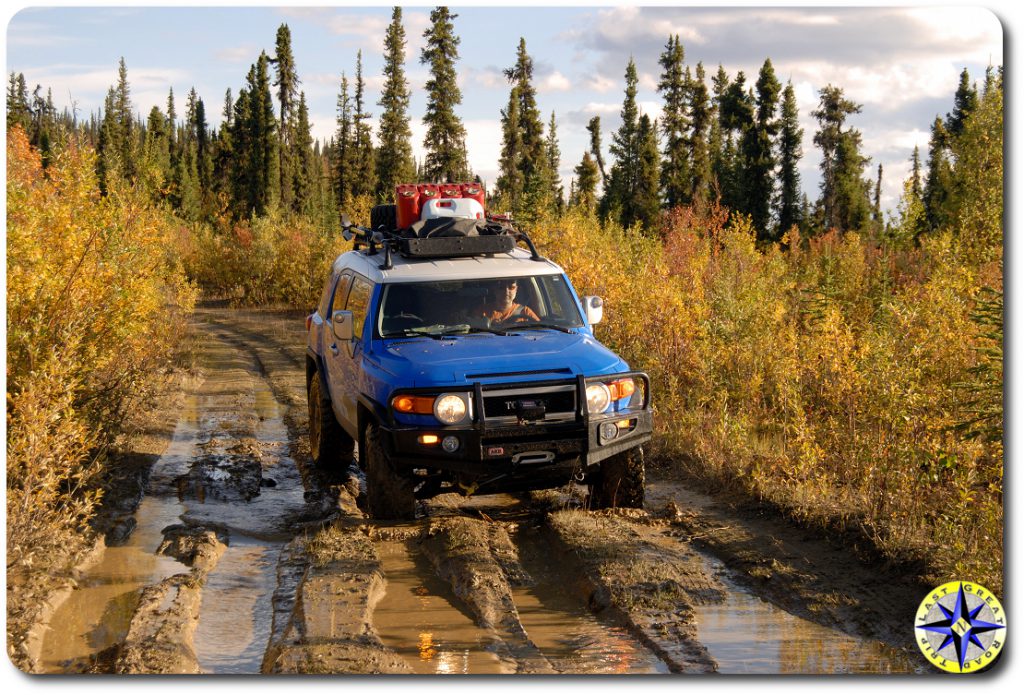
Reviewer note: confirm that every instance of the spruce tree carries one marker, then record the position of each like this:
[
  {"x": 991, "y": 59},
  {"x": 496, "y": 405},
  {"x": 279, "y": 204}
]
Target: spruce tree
[
  {"x": 853, "y": 191},
  {"x": 364, "y": 182},
  {"x": 125, "y": 122},
  {"x": 675, "y": 172},
  {"x": 965, "y": 102},
  {"x": 719, "y": 148},
  {"x": 531, "y": 158},
  {"x": 509, "y": 185},
  {"x": 585, "y": 187},
  {"x": 698, "y": 140},
  {"x": 257, "y": 167},
  {"x": 224, "y": 149},
  {"x": 836, "y": 151},
  {"x": 620, "y": 198},
  {"x": 938, "y": 182},
  {"x": 108, "y": 160},
  {"x": 876, "y": 208},
  {"x": 594, "y": 128},
  {"x": 759, "y": 156},
  {"x": 647, "y": 196},
  {"x": 554, "y": 163},
  {"x": 394, "y": 156},
  {"x": 736, "y": 118},
  {"x": 916, "y": 187},
  {"x": 307, "y": 171},
  {"x": 343, "y": 150},
  {"x": 287, "y": 82},
  {"x": 445, "y": 141},
  {"x": 790, "y": 151},
  {"x": 19, "y": 112}
]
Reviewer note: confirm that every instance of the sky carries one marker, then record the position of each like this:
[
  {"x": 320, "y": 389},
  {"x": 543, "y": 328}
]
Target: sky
[{"x": 901, "y": 64}]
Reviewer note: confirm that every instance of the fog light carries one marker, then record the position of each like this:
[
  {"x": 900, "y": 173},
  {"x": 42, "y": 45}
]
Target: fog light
[
  {"x": 428, "y": 439},
  {"x": 450, "y": 444},
  {"x": 609, "y": 431}
]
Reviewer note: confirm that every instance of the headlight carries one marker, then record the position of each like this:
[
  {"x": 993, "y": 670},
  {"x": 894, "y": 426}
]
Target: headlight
[
  {"x": 598, "y": 398},
  {"x": 450, "y": 408}
]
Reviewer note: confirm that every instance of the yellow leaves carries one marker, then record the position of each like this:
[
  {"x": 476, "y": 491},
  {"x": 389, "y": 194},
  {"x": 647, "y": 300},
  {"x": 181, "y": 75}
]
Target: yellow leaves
[{"x": 91, "y": 312}]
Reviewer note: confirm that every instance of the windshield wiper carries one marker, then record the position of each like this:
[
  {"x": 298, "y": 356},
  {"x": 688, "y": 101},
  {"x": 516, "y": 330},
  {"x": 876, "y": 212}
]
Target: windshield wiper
[
  {"x": 521, "y": 326},
  {"x": 495, "y": 331}
]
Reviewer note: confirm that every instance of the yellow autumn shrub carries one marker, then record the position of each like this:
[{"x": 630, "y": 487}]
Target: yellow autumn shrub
[
  {"x": 827, "y": 376},
  {"x": 94, "y": 304}
]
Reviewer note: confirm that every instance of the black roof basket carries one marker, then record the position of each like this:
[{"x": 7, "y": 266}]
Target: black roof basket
[{"x": 390, "y": 241}]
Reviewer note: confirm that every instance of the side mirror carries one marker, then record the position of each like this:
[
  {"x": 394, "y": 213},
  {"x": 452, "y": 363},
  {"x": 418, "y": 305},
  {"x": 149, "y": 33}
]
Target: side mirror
[
  {"x": 341, "y": 325},
  {"x": 593, "y": 307}
]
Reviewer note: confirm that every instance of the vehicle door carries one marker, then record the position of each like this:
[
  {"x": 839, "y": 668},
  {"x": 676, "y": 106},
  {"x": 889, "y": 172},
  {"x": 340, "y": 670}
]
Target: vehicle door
[{"x": 345, "y": 357}]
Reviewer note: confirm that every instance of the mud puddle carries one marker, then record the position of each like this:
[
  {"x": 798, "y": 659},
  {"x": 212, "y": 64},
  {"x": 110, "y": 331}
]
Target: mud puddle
[
  {"x": 553, "y": 612},
  {"x": 97, "y": 613},
  {"x": 748, "y": 635},
  {"x": 422, "y": 621},
  {"x": 236, "y": 613}
]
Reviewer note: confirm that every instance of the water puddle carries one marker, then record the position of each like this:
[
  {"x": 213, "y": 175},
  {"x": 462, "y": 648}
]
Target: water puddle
[
  {"x": 236, "y": 612},
  {"x": 422, "y": 621},
  {"x": 232, "y": 417},
  {"x": 558, "y": 621},
  {"x": 97, "y": 613},
  {"x": 748, "y": 635}
]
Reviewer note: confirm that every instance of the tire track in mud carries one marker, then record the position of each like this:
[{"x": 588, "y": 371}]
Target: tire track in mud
[{"x": 492, "y": 584}]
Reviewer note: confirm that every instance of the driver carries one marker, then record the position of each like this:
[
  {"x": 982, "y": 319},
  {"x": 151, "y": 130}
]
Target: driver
[{"x": 502, "y": 307}]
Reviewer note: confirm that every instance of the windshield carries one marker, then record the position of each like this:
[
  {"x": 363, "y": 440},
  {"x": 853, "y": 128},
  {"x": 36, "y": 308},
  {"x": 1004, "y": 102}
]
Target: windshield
[{"x": 497, "y": 305}]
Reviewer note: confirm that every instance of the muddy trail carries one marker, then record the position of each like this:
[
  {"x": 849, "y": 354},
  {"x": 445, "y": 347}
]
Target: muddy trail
[{"x": 240, "y": 558}]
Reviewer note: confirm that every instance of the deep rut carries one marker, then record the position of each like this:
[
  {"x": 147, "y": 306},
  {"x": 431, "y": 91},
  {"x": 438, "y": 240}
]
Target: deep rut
[{"x": 241, "y": 558}]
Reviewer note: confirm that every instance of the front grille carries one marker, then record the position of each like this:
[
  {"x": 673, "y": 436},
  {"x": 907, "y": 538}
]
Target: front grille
[{"x": 502, "y": 404}]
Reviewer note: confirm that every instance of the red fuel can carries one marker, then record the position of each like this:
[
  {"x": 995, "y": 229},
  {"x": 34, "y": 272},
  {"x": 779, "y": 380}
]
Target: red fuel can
[
  {"x": 407, "y": 201},
  {"x": 428, "y": 191},
  {"x": 450, "y": 190},
  {"x": 476, "y": 192}
]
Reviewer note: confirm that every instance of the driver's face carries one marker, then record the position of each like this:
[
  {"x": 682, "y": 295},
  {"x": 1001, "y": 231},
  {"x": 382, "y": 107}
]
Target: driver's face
[{"x": 508, "y": 293}]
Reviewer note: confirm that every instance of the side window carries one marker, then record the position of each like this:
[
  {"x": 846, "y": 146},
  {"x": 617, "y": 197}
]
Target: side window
[
  {"x": 325, "y": 296},
  {"x": 358, "y": 303},
  {"x": 341, "y": 293}
]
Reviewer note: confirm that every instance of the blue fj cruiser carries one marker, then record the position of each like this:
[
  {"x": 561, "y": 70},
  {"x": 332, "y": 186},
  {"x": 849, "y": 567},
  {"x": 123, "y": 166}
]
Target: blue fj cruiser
[{"x": 461, "y": 362}]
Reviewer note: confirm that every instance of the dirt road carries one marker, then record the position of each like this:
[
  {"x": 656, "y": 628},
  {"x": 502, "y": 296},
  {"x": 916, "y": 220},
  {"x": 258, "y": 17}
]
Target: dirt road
[{"x": 239, "y": 558}]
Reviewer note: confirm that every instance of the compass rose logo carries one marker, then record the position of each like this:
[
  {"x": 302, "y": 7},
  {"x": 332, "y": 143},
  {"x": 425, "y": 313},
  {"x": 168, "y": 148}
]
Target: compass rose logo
[{"x": 961, "y": 627}]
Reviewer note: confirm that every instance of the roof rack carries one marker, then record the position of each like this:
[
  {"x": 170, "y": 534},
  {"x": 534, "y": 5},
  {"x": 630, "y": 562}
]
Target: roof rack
[{"x": 391, "y": 241}]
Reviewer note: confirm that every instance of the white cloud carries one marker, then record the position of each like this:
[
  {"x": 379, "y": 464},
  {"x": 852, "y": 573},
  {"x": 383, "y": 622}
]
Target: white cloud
[
  {"x": 244, "y": 55},
  {"x": 554, "y": 82}
]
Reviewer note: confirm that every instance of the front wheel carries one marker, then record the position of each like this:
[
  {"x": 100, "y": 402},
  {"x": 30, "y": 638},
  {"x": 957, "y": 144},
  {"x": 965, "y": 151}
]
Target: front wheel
[
  {"x": 329, "y": 445},
  {"x": 389, "y": 495},
  {"x": 620, "y": 482}
]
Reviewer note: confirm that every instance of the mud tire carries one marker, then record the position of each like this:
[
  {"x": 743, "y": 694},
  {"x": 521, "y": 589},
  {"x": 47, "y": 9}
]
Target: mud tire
[
  {"x": 384, "y": 216},
  {"x": 389, "y": 495},
  {"x": 330, "y": 446},
  {"x": 620, "y": 482}
]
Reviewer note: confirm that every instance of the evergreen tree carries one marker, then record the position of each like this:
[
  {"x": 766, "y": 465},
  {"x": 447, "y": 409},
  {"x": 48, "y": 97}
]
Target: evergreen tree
[
  {"x": 509, "y": 185},
  {"x": 938, "y": 182},
  {"x": 256, "y": 141},
  {"x": 916, "y": 186},
  {"x": 719, "y": 149},
  {"x": 836, "y": 150},
  {"x": 675, "y": 172},
  {"x": 125, "y": 122},
  {"x": 394, "y": 157},
  {"x": 307, "y": 174},
  {"x": 364, "y": 182},
  {"x": 18, "y": 109},
  {"x": 343, "y": 154},
  {"x": 790, "y": 151},
  {"x": 698, "y": 141},
  {"x": 224, "y": 149},
  {"x": 287, "y": 83},
  {"x": 736, "y": 118},
  {"x": 445, "y": 142},
  {"x": 853, "y": 191},
  {"x": 965, "y": 102},
  {"x": 621, "y": 197},
  {"x": 876, "y": 208},
  {"x": 156, "y": 153},
  {"x": 647, "y": 196},
  {"x": 585, "y": 187},
  {"x": 758, "y": 154},
  {"x": 594, "y": 128},
  {"x": 108, "y": 160},
  {"x": 527, "y": 146},
  {"x": 554, "y": 163},
  {"x": 172, "y": 123}
]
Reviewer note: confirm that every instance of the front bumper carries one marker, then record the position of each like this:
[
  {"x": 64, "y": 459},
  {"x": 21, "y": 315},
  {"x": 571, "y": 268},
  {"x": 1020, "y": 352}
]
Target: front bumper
[{"x": 540, "y": 449}]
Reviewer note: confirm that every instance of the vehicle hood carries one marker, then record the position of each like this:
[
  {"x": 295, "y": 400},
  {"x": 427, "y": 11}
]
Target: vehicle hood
[{"x": 487, "y": 358}]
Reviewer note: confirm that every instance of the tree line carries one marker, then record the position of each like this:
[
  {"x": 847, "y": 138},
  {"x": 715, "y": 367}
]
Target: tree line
[{"x": 735, "y": 144}]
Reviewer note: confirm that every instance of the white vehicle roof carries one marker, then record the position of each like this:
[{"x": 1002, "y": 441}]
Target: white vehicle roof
[{"x": 518, "y": 262}]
